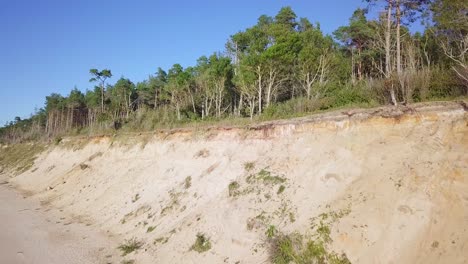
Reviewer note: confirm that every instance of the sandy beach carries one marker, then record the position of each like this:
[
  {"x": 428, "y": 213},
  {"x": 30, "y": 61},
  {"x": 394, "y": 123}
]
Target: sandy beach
[{"x": 32, "y": 234}]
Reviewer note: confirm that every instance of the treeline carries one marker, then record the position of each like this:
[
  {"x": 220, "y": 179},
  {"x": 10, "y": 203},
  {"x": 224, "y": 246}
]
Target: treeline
[{"x": 283, "y": 65}]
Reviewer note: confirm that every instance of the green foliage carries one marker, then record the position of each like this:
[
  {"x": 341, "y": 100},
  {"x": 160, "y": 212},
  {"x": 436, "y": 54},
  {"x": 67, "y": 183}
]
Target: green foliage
[
  {"x": 202, "y": 243},
  {"x": 233, "y": 188},
  {"x": 281, "y": 189},
  {"x": 283, "y": 66},
  {"x": 57, "y": 140},
  {"x": 271, "y": 231},
  {"x": 292, "y": 248},
  {"x": 348, "y": 95},
  {"x": 162, "y": 240},
  {"x": 150, "y": 229},
  {"x": 266, "y": 178},
  {"x": 294, "y": 107},
  {"x": 445, "y": 84},
  {"x": 129, "y": 246},
  {"x": 248, "y": 166}
]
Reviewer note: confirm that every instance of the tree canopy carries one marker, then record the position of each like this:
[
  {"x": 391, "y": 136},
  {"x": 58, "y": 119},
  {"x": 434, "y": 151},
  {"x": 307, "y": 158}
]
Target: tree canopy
[{"x": 281, "y": 66}]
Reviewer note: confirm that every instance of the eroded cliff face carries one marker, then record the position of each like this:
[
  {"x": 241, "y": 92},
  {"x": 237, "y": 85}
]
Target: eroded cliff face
[{"x": 391, "y": 186}]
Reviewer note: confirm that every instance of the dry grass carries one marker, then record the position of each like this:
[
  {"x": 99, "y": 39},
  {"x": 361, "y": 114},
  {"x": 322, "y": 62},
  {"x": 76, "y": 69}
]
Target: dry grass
[{"x": 20, "y": 157}]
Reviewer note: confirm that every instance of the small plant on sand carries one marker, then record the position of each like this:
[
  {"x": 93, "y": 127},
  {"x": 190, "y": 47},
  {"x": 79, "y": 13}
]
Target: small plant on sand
[
  {"x": 128, "y": 261},
  {"x": 57, "y": 140},
  {"x": 292, "y": 217},
  {"x": 129, "y": 246},
  {"x": 248, "y": 166},
  {"x": 271, "y": 231},
  {"x": 202, "y": 153},
  {"x": 162, "y": 240},
  {"x": 202, "y": 243},
  {"x": 233, "y": 189},
  {"x": 150, "y": 229},
  {"x": 285, "y": 249},
  {"x": 173, "y": 202},
  {"x": 188, "y": 182},
  {"x": 136, "y": 198},
  {"x": 280, "y": 189},
  {"x": 265, "y": 177}
]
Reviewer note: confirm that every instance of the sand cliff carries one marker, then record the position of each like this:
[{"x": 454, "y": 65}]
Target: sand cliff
[{"x": 391, "y": 185}]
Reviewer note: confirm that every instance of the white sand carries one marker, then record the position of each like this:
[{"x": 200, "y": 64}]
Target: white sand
[{"x": 30, "y": 235}]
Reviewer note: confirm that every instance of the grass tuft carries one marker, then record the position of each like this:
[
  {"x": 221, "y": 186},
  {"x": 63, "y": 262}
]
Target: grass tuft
[
  {"x": 20, "y": 157},
  {"x": 135, "y": 198},
  {"x": 188, "y": 182},
  {"x": 129, "y": 246},
  {"x": 202, "y": 243},
  {"x": 248, "y": 166},
  {"x": 162, "y": 240},
  {"x": 265, "y": 177},
  {"x": 281, "y": 189},
  {"x": 233, "y": 189},
  {"x": 285, "y": 249}
]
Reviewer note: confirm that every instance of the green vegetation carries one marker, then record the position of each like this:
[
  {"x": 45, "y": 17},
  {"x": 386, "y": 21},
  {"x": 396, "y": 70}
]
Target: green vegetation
[
  {"x": 271, "y": 231},
  {"x": 266, "y": 178},
  {"x": 150, "y": 229},
  {"x": 283, "y": 66},
  {"x": 292, "y": 248},
  {"x": 129, "y": 246},
  {"x": 234, "y": 189},
  {"x": 295, "y": 248},
  {"x": 281, "y": 189},
  {"x": 202, "y": 244},
  {"x": 173, "y": 202},
  {"x": 19, "y": 157},
  {"x": 162, "y": 240},
  {"x": 248, "y": 166},
  {"x": 292, "y": 217}
]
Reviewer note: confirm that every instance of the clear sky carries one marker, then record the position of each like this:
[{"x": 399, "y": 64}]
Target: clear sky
[{"x": 50, "y": 45}]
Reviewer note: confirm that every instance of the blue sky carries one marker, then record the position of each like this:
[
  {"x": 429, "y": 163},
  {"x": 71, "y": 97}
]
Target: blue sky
[{"x": 49, "y": 46}]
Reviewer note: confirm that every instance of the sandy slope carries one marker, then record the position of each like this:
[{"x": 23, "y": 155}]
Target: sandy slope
[{"x": 399, "y": 182}]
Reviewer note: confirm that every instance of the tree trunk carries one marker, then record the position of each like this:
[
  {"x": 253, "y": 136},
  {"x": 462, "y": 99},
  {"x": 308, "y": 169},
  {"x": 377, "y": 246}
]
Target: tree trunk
[
  {"x": 178, "y": 111},
  {"x": 155, "y": 98},
  {"x": 398, "y": 47},
  {"x": 353, "y": 74},
  {"x": 239, "y": 108},
  {"x": 259, "y": 90},
  {"x": 388, "y": 69},
  {"x": 398, "y": 40},
  {"x": 359, "y": 65},
  {"x": 102, "y": 97}
]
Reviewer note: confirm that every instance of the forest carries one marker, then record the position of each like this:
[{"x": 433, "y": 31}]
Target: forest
[{"x": 283, "y": 66}]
